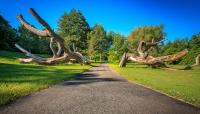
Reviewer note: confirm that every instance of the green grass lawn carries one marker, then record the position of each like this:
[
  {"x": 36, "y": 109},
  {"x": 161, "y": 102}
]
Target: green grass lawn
[
  {"x": 22, "y": 79},
  {"x": 181, "y": 84}
]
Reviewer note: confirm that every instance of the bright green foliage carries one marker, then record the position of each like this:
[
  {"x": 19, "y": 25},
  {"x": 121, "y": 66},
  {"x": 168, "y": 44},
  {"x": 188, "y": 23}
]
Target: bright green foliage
[
  {"x": 175, "y": 47},
  {"x": 196, "y": 40},
  {"x": 97, "y": 42},
  {"x": 180, "y": 84},
  {"x": 193, "y": 46},
  {"x": 22, "y": 79},
  {"x": 189, "y": 59},
  {"x": 8, "y": 35},
  {"x": 33, "y": 42},
  {"x": 119, "y": 45},
  {"x": 147, "y": 33},
  {"x": 110, "y": 35},
  {"x": 74, "y": 28},
  {"x": 194, "y": 50}
]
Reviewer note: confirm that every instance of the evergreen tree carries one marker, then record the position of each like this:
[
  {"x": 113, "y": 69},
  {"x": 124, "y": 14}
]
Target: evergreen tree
[
  {"x": 74, "y": 28},
  {"x": 119, "y": 46},
  {"x": 8, "y": 35},
  {"x": 97, "y": 42}
]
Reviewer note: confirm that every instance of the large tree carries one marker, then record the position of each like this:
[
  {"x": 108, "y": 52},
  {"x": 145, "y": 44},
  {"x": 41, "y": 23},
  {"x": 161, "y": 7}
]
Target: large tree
[
  {"x": 118, "y": 47},
  {"x": 97, "y": 42},
  {"x": 74, "y": 28},
  {"x": 148, "y": 37}
]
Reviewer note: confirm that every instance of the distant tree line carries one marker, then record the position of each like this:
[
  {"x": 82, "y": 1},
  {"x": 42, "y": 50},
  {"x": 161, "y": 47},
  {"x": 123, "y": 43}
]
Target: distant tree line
[
  {"x": 95, "y": 42},
  {"x": 8, "y": 35}
]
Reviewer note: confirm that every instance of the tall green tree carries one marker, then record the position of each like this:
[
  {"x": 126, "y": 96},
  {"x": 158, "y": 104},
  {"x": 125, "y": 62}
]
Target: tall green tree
[
  {"x": 8, "y": 35},
  {"x": 110, "y": 37},
  {"x": 97, "y": 42},
  {"x": 74, "y": 28},
  {"x": 120, "y": 44}
]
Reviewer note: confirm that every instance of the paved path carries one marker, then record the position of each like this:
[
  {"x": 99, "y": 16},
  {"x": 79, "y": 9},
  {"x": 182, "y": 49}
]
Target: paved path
[{"x": 100, "y": 90}]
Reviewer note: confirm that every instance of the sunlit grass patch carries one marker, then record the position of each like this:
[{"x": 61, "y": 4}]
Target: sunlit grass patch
[
  {"x": 21, "y": 79},
  {"x": 182, "y": 84}
]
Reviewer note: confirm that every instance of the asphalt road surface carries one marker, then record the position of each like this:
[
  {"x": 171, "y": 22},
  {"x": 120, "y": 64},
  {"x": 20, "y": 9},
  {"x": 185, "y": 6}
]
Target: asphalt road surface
[{"x": 99, "y": 90}]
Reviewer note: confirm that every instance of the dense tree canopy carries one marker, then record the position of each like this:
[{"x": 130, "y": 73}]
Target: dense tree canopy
[
  {"x": 8, "y": 35},
  {"x": 196, "y": 41},
  {"x": 74, "y": 28},
  {"x": 148, "y": 33},
  {"x": 97, "y": 42},
  {"x": 119, "y": 45}
]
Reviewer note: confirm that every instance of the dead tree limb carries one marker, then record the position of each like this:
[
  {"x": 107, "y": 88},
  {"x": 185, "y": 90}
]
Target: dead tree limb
[
  {"x": 58, "y": 56},
  {"x": 32, "y": 29},
  {"x": 145, "y": 58}
]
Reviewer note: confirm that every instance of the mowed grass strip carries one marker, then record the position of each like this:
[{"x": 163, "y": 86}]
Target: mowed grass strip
[
  {"x": 181, "y": 84},
  {"x": 22, "y": 79}
]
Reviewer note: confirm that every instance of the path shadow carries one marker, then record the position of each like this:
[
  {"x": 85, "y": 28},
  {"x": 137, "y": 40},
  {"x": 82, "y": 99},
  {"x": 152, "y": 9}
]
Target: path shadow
[
  {"x": 94, "y": 70},
  {"x": 91, "y": 77}
]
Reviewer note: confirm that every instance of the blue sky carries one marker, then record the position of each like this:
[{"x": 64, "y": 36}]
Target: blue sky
[{"x": 180, "y": 17}]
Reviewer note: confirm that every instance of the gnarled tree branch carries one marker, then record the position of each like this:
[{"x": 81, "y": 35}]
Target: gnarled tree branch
[
  {"x": 66, "y": 56},
  {"x": 150, "y": 60}
]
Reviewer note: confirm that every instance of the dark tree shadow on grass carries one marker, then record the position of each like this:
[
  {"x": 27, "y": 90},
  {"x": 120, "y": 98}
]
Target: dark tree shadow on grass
[
  {"x": 14, "y": 73},
  {"x": 21, "y": 79}
]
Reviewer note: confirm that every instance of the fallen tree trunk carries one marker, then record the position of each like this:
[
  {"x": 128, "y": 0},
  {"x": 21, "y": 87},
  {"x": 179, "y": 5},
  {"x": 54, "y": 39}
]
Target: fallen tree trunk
[
  {"x": 123, "y": 60},
  {"x": 150, "y": 60},
  {"x": 39, "y": 60},
  {"x": 143, "y": 56},
  {"x": 48, "y": 32}
]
